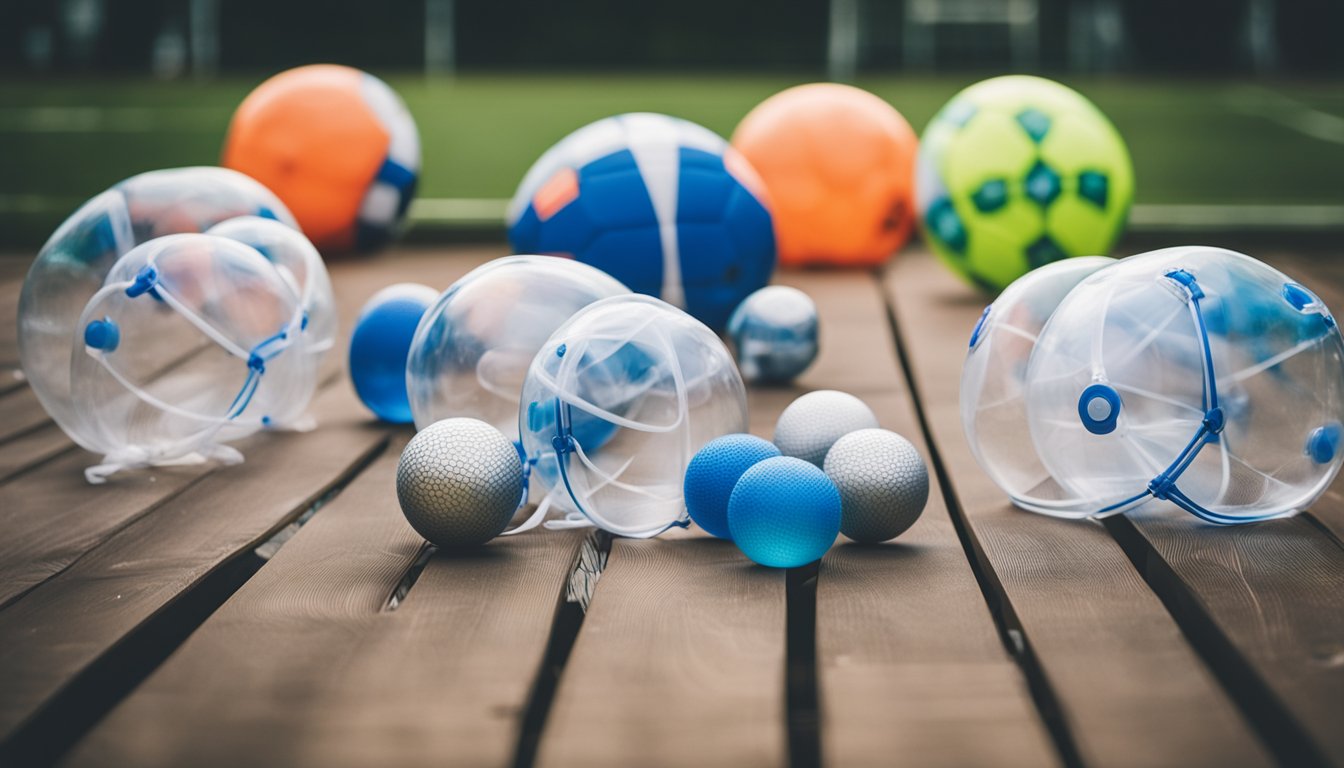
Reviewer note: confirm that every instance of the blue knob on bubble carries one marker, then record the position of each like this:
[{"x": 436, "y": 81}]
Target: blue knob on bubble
[
  {"x": 714, "y": 472},
  {"x": 380, "y": 345},
  {"x": 784, "y": 512}
]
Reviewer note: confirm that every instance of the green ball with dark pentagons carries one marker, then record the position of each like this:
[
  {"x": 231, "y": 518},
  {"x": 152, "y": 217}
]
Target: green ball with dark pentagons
[{"x": 1016, "y": 172}]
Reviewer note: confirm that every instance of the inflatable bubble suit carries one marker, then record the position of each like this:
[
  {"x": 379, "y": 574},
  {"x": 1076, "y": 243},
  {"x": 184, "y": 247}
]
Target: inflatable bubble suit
[
  {"x": 300, "y": 265},
  {"x": 73, "y": 264},
  {"x": 472, "y": 349},
  {"x": 618, "y": 401},
  {"x": 193, "y": 340},
  {"x": 1193, "y": 375},
  {"x": 993, "y": 384}
]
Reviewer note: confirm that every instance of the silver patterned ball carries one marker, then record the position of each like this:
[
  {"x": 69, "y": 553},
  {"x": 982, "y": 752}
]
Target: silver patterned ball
[
  {"x": 774, "y": 334},
  {"x": 812, "y": 423},
  {"x": 883, "y": 484},
  {"x": 459, "y": 482}
]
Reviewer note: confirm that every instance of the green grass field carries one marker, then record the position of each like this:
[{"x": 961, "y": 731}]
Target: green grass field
[{"x": 1193, "y": 142}]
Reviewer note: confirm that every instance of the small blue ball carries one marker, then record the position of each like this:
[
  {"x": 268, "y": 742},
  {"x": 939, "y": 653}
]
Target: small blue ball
[
  {"x": 784, "y": 512},
  {"x": 714, "y": 472},
  {"x": 774, "y": 334},
  {"x": 380, "y": 345}
]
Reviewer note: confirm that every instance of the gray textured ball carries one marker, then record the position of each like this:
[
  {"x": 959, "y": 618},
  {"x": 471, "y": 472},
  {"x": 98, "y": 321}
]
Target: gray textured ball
[
  {"x": 883, "y": 484},
  {"x": 812, "y": 423},
  {"x": 459, "y": 482}
]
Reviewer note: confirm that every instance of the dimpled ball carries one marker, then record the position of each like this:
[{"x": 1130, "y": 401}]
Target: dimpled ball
[
  {"x": 784, "y": 512},
  {"x": 883, "y": 484},
  {"x": 714, "y": 472},
  {"x": 774, "y": 334},
  {"x": 380, "y": 345},
  {"x": 459, "y": 482},
  {"x": 811, "y": 424}
]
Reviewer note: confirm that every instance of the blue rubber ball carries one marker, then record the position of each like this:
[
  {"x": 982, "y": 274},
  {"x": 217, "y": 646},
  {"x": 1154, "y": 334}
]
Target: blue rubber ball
[
  {"x": 714, "y": 472},
  {"x": 380, "y": 345},
  {"x": 784, "y": 512}
]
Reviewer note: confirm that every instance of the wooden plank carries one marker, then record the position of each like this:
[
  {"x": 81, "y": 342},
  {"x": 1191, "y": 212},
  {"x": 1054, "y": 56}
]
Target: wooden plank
[
  {"x": 27, "y": 451},
  {"x": 305, "y": 666},
  {"x": 58, "y": 630},
  {"x": 1107, "y": 660},
  {"x": 9, "y": 329},
  {"x": 20, "y": 413},
  {"x": 909, "y": 660},
  {"x": 680, "y": 662}
]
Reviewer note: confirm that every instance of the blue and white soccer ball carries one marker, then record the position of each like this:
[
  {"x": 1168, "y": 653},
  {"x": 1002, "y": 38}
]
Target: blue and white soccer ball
[{"x": 661, "y": 204}]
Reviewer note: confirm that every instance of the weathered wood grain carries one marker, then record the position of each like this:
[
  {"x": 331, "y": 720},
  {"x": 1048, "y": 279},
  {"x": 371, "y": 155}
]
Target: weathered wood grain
[
  {"x": 62, "y": 627},
  {"x": 909, "y": 660},
  {"x": 306, "y": 666},
  {"x": 680, "y": 662},
  {"x": 27, "y": 451},
  {"x": 1112, "y": 668}
]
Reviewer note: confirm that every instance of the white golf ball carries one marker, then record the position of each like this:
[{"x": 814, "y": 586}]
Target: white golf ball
[
  {"x": 812, "y": 423},
  {"x": 883, "y": 484},
  {"x": 459, "y": 482}
]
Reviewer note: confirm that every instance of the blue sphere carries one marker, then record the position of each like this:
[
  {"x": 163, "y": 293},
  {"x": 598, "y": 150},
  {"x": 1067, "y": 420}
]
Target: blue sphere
[
  {"x": 714, "y": 472},
  {"x": 380, "y": 345},
  {"x": 774, "y": 334},
  {"x": 784, "y": 512},
  {"x": 661, "y": 204}
]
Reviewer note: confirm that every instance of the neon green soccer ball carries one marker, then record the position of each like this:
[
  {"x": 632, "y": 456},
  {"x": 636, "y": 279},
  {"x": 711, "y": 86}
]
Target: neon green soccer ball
[{"x": 1016, "y": 172}]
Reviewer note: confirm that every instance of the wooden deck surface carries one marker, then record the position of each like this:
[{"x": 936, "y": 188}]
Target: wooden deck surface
[{"x": 282, "y": 612}]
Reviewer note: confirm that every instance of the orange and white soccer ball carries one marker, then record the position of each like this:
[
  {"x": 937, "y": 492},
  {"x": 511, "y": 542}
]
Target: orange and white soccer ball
[{"x": 337, "y": 145}]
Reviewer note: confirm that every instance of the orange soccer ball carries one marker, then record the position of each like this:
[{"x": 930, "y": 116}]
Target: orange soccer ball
[
  {"x": 337, "y": 145},
  {"x": 838, "y": 163}
]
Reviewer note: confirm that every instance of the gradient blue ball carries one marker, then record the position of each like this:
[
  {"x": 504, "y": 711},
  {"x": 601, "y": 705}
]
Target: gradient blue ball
[
  {"x": 380, "y": 344},
  {"x": 784, "y": 512},
  {"x": 714, "y": 472}
]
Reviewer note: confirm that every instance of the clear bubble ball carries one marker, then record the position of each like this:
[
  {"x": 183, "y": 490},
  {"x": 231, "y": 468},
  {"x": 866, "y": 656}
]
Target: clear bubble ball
[
  {"x": 299, "y": 264},
  {"x": 617, "y": 402},
  {"x": 192, "y": 341},
  {"x": 1195, "y": 375},
  {"x": 774, "y": 334},
  {"x": 993, "y": 384},
  {"x": 473, "y": 347},
  {"x": 75, "y": 260}
]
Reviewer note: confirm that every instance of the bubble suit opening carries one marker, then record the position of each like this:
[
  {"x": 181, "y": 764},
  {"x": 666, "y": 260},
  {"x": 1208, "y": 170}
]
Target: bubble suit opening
[
  {"x": 472, "y": 349},
  {"x": 73, "y": 263},
  {"x": 193, "y": 340},
  {"x": 1195, "y": 375},
  {"x": 617, "y": 402},
  {"x": 993, "y": 385}
]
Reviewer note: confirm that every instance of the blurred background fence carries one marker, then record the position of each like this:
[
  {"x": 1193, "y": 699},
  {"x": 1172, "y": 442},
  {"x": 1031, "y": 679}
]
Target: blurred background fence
[
  {"x": 175, "y": 37},
  {"x": 1233, "y": 109}
]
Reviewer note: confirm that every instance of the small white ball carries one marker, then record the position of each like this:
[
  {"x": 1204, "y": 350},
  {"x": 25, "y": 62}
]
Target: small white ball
[
  {"x": 459, "y": 482},
  {"x": 811, "y": 424},
  {"x": 883, "y": 484}
]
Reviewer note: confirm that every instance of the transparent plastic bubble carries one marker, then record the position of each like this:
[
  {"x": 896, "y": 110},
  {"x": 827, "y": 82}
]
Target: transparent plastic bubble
[
  {"x": 193, "y": 340},
  {"x": 73, "y": 263},
  {"x": 472, "y": 349},
  {"x": 301, "y": 265},
  {"x": 1195, "y": 375},
  {"x": 618, "y": 401},
  {"x": 993, "y": 384}
]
